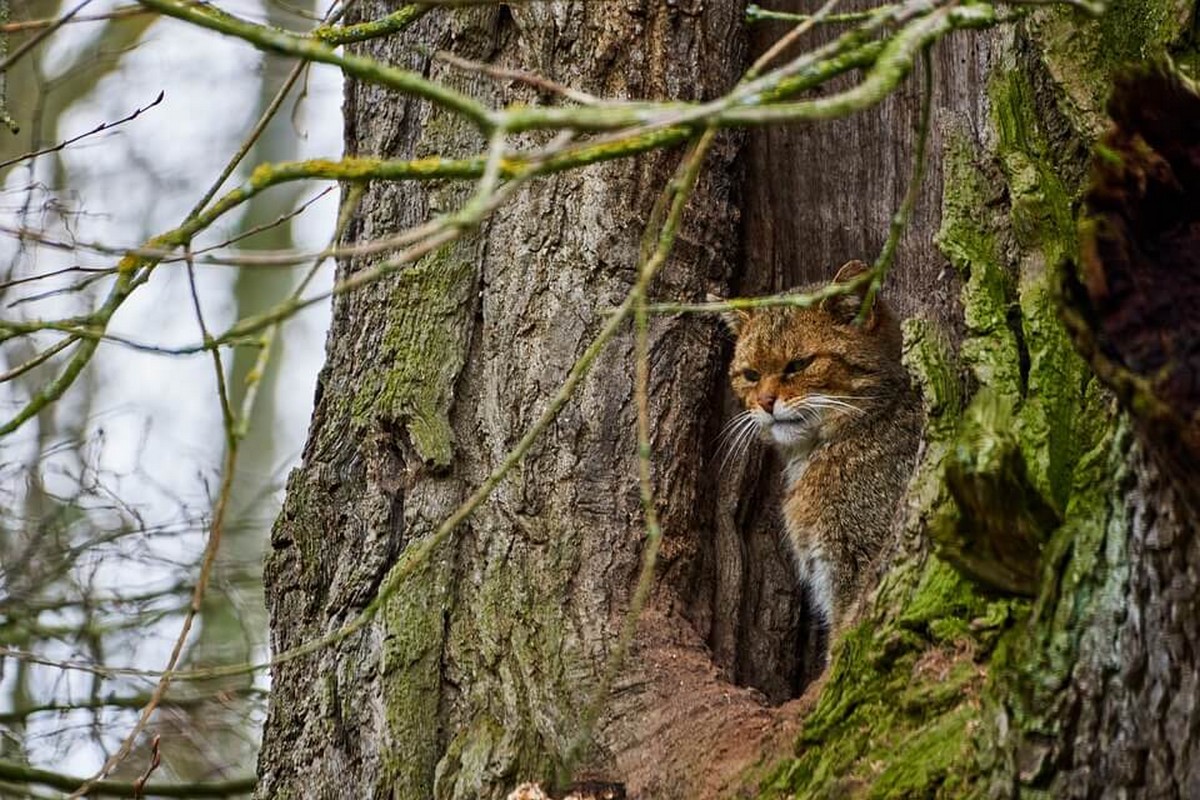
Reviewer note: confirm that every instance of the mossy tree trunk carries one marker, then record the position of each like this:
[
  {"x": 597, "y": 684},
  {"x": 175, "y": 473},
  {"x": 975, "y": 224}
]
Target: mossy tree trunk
[
  {"x": 1056, "y": 658},
  {"x": 990, "y": 667},
  {"x": 481, "y": 671}
]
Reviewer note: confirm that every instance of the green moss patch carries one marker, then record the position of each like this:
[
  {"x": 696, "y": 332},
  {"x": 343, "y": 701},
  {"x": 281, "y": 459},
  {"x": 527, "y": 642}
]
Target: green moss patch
[{"x": 422, "y": 352}]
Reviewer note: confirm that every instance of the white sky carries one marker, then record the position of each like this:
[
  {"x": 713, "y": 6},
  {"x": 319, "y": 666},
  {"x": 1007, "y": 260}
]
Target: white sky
[{"x": 160, "y": 416}]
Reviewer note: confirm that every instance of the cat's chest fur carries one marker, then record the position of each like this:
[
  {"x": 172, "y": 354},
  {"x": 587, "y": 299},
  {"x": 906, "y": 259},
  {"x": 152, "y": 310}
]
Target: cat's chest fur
[{"x": 840, "y": 500}]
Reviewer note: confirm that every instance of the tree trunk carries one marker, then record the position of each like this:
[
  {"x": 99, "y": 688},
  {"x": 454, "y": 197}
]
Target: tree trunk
[
  {"x": 482, "y": 669},
  {"x": 1042, "y": 485},
  {"x": 481, "y": 672},
  {"x": 1126, "y": 718}
]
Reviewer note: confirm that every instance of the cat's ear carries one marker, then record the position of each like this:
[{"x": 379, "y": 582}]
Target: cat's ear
[
  {"x": 850, "y": 270},
  {"x": 734, "y": 319},
  {"x": 845, "y": 308}
]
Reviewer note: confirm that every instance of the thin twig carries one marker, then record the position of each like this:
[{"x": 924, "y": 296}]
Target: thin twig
[
  {"x": 134, "y": 702},
  {"x": 756, "y": 13},
  {"x": 502, "y": 73},
  {"x": 35, "y": 236},
  {"x": 90, "y": 668},
  {"x": 266, "y": 226},
  {"x": 804, "y": 300},
  {"x": 40, "y": 36},
  {"x": 40, "y": 358},
  {"x": 93, "y": 275},
  {"x": 36, "y": 24},
  {"x": 103, "y": 126},
  {"x": 139, "y": 785},
  {"x": 786, "y": 41}
]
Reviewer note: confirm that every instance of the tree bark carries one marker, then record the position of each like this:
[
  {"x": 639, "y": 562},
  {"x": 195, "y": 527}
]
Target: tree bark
[
  {"x": 1127, "y": 716},
  {"x": 481, "y": 670},
  {"x": 1086, "y": 690}
]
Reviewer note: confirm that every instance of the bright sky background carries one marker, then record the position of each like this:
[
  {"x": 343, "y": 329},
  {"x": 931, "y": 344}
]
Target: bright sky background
[{"x": 160, "y": 415}]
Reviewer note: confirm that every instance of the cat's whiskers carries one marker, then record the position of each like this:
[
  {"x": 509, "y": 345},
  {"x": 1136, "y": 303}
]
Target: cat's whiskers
[
  {"x": 822, "y": 402},
  {"x": 806, "y": 414},
  {"x": 735, "y": 438},
  {"x": 750, "y": 434},
  {"x": 727, "y": 440},
  {"x": 745, "y": 439},
  {"x": 730, "y": 426},
  {"x": 849, "y": 398}
]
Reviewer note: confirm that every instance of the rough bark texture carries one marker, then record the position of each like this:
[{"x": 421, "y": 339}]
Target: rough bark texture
[
  {"x": 1087, "y": 691},
  {"x": 478, "y": 674},
  {"x": 1129, "y": 708},
  {"x": 480, "y": 671}
]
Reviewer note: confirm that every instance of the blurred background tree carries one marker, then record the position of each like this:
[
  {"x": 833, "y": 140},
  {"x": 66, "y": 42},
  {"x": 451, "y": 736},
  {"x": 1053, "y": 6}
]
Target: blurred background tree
[{"x": 107, "y": 496}]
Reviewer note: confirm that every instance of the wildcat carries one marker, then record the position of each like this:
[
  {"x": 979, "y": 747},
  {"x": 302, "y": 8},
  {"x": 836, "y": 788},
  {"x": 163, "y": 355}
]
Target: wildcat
[{"x": 828, "y": 390}]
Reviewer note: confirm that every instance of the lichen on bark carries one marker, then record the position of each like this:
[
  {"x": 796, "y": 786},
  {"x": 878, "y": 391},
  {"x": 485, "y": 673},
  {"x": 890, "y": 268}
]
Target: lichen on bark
[
  {"x": 996, "y": 716},
  {"x": 422, "y": 350}
]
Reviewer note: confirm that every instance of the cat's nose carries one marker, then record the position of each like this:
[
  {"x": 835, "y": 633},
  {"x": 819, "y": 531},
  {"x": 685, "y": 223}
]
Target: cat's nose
[{"x": 767, "y": 402}]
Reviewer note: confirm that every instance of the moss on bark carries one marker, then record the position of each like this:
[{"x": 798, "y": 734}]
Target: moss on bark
[
  {"x": 422, "y": 352},
  {"x": 411, "y": 679},
  {"x": 948, "y": 690},
  {"x": 1082, "y": 54},
  {"x": 514, "y": 629}
]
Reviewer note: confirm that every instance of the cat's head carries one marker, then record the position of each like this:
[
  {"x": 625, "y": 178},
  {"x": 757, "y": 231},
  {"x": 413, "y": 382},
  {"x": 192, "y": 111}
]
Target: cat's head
[{"x": 804, "y": 373}]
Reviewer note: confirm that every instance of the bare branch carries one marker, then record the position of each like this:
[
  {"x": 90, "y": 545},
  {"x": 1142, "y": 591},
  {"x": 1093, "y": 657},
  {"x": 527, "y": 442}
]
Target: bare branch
[
  {"x": 37, "y": 39},
  {"x": 103, "y": 126},
  {"x": 56, "y": 780}
]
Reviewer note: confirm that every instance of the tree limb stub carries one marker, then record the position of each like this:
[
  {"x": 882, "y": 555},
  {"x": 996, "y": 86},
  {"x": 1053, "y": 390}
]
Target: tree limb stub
[{"x": 1132, "y": 308}]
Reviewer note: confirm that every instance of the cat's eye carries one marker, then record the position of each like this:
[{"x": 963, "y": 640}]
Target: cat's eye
[
  {"x": 750, "y": 375},
  {"x": 796, "y": 365}
]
